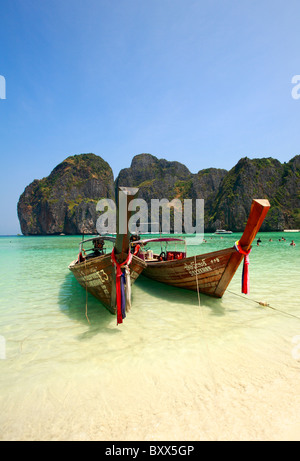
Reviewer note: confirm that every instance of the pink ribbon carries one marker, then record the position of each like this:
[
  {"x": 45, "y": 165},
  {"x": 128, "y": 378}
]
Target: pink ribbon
[{"x": 118, "y": 283}]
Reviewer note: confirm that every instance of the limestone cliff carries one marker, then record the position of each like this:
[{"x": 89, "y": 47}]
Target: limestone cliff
[
  {"x": 258, "y": 178},
  {"x": 159, "y": 178},
  {"x": 65, "y": 201}
]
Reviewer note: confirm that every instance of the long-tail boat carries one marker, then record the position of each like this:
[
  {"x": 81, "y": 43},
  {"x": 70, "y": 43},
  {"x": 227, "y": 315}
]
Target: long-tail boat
[
  {"x": 101, "y": 274},
  {"x": 208, "y": 273}
]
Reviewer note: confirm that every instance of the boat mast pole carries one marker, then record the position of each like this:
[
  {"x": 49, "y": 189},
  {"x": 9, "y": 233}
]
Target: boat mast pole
[{"x": 124, "y": 196}]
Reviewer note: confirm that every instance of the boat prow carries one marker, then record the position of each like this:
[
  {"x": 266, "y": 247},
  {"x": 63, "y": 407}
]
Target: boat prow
[
  {"x": 210, "y": 273},
  {"x": 97, "y": 271},
  {"x": 97, "y": 274}
]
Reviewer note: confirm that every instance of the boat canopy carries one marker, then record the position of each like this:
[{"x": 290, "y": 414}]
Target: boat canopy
[
  {"x": 98, "y": 237},
  {"x": 159, "y": 239}
]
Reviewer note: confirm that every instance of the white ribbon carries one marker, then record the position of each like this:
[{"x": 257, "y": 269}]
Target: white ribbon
[{"x": 128, "y": 289}]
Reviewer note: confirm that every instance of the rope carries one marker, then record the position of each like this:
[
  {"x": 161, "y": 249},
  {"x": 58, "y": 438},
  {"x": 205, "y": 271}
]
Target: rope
[
  {"x": 120, "y": 299},
  {"x": 197, "y": 280},
  {"x": 264, "y": 304},
  {"x": 245, "y": 274},
  {"x": 86, "y": 294}
]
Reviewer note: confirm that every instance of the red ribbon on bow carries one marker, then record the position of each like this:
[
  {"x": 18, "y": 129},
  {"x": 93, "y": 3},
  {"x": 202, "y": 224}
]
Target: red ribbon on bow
[
  {"x": 118, "y": 282},
  {"x": 245, "y": 276}
]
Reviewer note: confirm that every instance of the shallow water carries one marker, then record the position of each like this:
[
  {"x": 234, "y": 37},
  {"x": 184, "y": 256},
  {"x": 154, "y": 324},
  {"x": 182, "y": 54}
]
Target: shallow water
[{"x": 175, "y": 369}]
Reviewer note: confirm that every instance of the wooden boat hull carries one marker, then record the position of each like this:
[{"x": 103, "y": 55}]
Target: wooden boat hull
[
  {"x": 210, "y": 273},
  {"x": 97, "y": 276},
  {"x": 202, "y": 272}
]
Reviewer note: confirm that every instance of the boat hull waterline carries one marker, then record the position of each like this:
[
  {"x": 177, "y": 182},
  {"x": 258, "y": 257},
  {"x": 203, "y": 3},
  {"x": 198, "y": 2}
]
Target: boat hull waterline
[
  {"x": 97, "y": 276},
  {"x": 209, "y": 273}
]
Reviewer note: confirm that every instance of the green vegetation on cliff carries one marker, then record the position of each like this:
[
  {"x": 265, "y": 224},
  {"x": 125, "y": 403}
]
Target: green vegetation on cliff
[
  {"x": 259, "y": 178},
  {"x": 65, "y": 201}
]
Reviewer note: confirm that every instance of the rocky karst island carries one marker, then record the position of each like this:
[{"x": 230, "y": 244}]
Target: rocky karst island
[{"x": 65, "y": 201}]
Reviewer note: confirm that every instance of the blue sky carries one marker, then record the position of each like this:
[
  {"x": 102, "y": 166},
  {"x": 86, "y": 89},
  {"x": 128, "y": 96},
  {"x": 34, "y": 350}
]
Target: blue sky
[{"x": 201, "y": 82}]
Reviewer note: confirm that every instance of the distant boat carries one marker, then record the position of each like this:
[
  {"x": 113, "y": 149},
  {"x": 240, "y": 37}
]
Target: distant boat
[
  {"x": 222, "y": 232},
  {"x": 210, "y": 273}
]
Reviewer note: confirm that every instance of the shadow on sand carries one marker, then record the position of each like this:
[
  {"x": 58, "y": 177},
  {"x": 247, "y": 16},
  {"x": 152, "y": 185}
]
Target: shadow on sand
[
  {"x": 178, "y": 295},
  {"x": 73, "y": 298},
  {"x": 72, "y": 302}
]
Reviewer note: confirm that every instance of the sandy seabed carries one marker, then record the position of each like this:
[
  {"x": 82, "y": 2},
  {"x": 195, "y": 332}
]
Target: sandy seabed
[
  {"x": 174, "y": 371},
  {"x": 193, "y": 399}
]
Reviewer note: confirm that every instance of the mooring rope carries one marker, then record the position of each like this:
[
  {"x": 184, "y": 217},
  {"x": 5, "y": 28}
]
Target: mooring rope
[
  {"x": 197, "y": 280},
  {"x": 265, "y": 304},
  {"x": 86, "y": 295}
]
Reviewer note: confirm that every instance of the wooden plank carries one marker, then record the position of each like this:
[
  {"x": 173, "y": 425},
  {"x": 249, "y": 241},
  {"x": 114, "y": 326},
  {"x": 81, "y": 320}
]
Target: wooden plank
[
  {"x": 214, "y": 270},
  {"x": 182, "y": 273},
  {"x": 96, "y": 275},
  {"x": 122, "y": 240}
]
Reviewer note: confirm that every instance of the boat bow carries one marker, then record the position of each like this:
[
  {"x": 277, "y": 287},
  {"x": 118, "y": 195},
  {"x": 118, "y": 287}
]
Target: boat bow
[{"x": 210, "y": 273}]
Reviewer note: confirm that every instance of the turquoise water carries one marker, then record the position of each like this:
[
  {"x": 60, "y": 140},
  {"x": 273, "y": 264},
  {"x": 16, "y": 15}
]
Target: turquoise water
[{"x": 175, "y": 370}]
